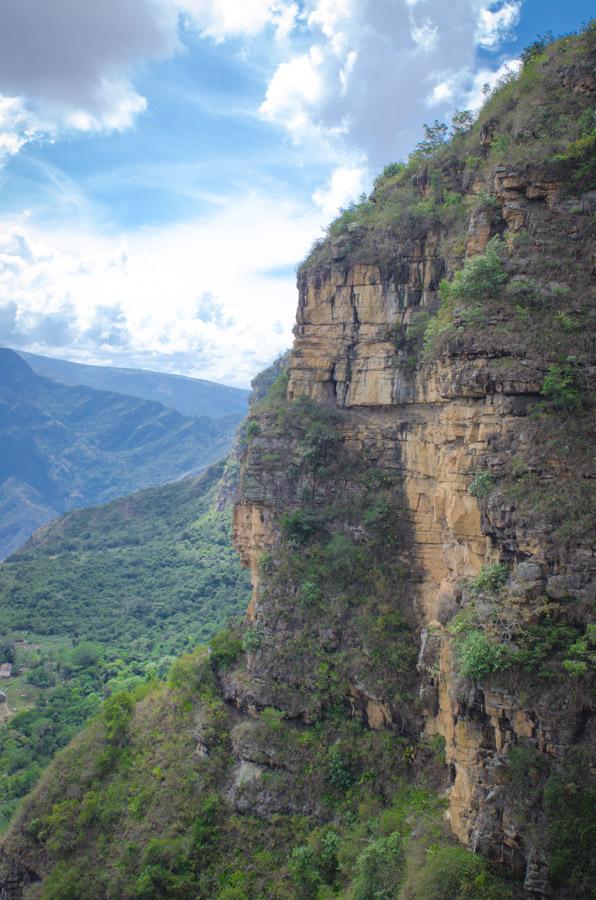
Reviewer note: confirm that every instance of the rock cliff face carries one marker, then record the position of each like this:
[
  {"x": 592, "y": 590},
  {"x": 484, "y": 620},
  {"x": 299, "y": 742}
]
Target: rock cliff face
[{"x": 430, "y": 425}]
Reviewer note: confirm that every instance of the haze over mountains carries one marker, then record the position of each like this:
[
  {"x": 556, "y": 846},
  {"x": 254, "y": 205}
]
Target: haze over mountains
[
  {"x": 190, "y": 396},
  {"x": 64, "y": 447}
]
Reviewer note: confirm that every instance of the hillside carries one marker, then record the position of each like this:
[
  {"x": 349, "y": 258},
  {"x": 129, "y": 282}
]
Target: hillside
[
  {"x": 66, "y": 447},
  {"x": 407, "y": 710},
  {"x": 101, "y": 598},
  {"x": 192, "y": 397}
]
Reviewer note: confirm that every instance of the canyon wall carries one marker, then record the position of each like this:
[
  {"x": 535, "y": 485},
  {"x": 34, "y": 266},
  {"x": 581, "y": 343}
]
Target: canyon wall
[{"x": 434, "y": 425}]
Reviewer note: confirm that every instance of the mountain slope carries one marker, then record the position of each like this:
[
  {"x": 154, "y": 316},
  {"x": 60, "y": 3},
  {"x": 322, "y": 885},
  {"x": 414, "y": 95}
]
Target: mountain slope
[
  {"x": 190, "y": 396},
  {"x": 65, "y": 447},
  {"x": 416, "y": 509},
  {"x": 130, "y": 585}
]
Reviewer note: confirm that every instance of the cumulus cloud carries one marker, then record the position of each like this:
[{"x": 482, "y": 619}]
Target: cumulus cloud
[
  {"x": 349, "y": 85},
  {"x": 495, "y": 22},
  {"x": 221, "y": 19},
  {"x": 346, "y": 183},
  {"x": 67, "y": 65},
  {"x": 471, "y": 86},
  {"x": 212, "y": 298},
  {"x": 71, "y": 66},
  {"x": 368, "y": 70},
  {"x": 353, "y": 79}
]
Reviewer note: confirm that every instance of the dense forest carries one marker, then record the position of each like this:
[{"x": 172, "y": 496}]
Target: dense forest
[{"x": 103, "y": 599}]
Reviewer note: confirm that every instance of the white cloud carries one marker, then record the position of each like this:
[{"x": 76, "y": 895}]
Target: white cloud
[
  {"x": 296, "y": 87},
  {"x": 495, "y": 23},
  {"x": 68, "y": 66},
  {"x": 221, "y": 19},
  {"x": 14, "y": 129},
  {"x": 468, "y": 87},
  {"x": 345, "y": 185},
  {"x": 213, "y": 298},
  {"x": 425, "y": 34},
  {"x": 361, "y": 86},
  {"x": 475, "y": 93},
  {"x": 358, "y": 86}
]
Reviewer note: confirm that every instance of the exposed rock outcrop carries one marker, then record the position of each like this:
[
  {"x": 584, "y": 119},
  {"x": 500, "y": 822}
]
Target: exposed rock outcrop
[{"x": 435, "y": 425}]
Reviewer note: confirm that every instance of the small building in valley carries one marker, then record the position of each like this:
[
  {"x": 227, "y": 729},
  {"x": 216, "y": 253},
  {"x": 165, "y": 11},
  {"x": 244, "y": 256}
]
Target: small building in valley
[{"x": 5, "y": 670}]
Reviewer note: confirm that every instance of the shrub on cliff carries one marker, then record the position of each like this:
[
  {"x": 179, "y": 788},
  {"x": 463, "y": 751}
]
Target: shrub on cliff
[
  {"x": 482, "y": 276},
  {"x": 379, "y": 869},
  {"x": 562, "y": 389},
  {"x": 452, "y": 873},
  {"x": 478, "y": 656}
]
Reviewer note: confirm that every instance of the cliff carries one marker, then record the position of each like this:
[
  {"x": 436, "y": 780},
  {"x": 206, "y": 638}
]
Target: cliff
[
  {"x": 493, "y": 478},
  {"x": 415, "y": 510}
]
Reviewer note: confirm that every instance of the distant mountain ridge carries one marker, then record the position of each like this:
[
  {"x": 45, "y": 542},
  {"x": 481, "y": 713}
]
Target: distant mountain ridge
[
  {"x": 64, "y": 447},
  {"x": 190, "y": 396}
]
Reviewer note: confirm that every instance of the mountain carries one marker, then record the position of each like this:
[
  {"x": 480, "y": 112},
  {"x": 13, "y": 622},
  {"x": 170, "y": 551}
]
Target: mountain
[
  {"x": 407, "y": 710},
  {"x": 192, "y": 397},
  {"x": 103, "y": 598},
  {"x": 65, "y": 447}
]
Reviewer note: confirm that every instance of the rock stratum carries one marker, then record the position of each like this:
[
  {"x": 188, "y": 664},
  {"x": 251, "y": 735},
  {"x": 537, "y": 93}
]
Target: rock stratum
[{"x": 415, "y": 509}]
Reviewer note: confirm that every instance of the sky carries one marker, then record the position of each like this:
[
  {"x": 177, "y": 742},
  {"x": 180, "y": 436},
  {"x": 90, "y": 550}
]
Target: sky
[{"x": 166, "y": 164}]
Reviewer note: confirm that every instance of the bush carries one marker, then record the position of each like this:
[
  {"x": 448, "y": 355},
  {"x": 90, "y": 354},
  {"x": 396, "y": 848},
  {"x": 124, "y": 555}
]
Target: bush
[
  {"x": 339, "y": 769},
  {"x": 117, "y": 712},
  {"x": 318, "y": 443},
  {"x": 63, "y": 883},
  {"x": 253, "y": 429},
  {"x": 562, "y": 389},
  {"x": 536, "y": 48},
  {"x": 379, "y": 869},
  {"x": 265, "y": 564},
  {"x": 310, "y": 594},
  {"x": 452, "y": 873},
  {"x": 251, "y": 640},
  {"x": 226, "y": 647},
  {"x": 569, "y": 803},
  {"x": 437, "y": 746},
  {"x": 299, "y": 527},
  {"x": 481, "y": 276},
  {"x": 528, "y": 770},
  {"x": 575, "y": 667},
  {"x": 304, "y": 873},
  {"x": 477, "y": 656},
  {"x": 490, "y": 578},
  {"x": 481, "y": 486}
]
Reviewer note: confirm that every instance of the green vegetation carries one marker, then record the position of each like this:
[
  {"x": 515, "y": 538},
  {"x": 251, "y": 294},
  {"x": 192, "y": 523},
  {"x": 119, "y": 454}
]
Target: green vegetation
[
  {"x": 339, "y": 559},
  {"x": 562, "y": 389},
  {"x": 478, "y": 656},
  {"x": 482, "y": 485},
  {"x": 108, "y": 597},
  {"x": 559, "y": 790},
  {"x": 530, "y": 117},
  {"x": 482, "y": 277},
  {"x": 490, "y": 578},
  {"x": 315, "y": 783},
  {"x": 536, "y": 640},
  {"x": 147, "y": 816}
]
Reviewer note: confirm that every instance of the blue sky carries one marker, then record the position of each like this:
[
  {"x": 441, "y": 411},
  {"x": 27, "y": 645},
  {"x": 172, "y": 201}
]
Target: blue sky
[{"x": 165, "y": 164}]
